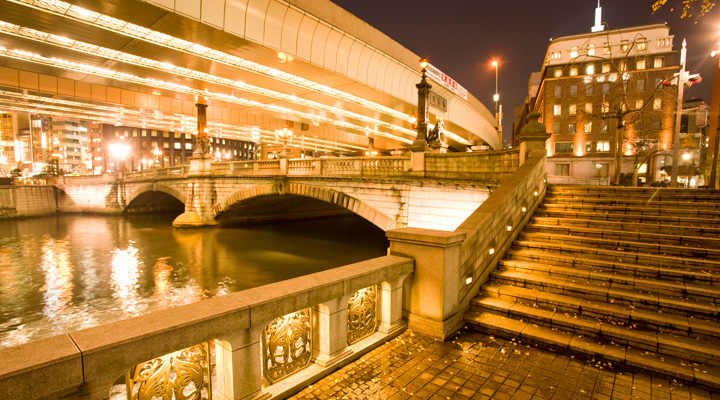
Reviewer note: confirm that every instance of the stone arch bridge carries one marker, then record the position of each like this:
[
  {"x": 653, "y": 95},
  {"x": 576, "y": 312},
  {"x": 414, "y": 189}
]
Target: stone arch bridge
[{"x": 439, "y": 192}]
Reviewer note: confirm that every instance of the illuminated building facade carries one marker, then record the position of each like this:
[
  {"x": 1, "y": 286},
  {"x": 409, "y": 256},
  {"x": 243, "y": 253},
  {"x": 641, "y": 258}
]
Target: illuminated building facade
[{"x": 593, "y": 84}]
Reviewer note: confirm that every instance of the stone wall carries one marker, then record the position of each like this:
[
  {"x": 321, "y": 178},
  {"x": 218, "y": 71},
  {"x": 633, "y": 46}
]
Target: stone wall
[
  {"x": 18, "y": 201},
  {"x": 491, "y": 167}
]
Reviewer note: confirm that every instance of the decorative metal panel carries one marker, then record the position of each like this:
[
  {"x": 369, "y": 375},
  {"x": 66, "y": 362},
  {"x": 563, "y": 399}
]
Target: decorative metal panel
[
  {"x": 362, "y": 314},
  {"x": 182, "y": 375},
  {"x": 287, "y": 345}
]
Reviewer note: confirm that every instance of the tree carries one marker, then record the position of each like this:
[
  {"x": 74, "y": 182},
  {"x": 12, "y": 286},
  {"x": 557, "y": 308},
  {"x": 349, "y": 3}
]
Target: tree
[
  {"x": 690, "y": 8},
  {"x": 629, "y": 101}
]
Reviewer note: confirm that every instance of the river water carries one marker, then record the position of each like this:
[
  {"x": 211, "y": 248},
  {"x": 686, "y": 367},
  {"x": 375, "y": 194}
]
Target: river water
[{"x": 63, "y": 273}]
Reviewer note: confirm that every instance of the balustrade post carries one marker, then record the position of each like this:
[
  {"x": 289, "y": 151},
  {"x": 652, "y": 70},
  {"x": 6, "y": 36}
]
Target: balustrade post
[
  {"x": 256, "y": 167},
  {"x": 390, "y": 306},
  {"x": 238, "y": 361},
  {"x": 330, "y": 341},
  {"x": 318, "y": 166}
]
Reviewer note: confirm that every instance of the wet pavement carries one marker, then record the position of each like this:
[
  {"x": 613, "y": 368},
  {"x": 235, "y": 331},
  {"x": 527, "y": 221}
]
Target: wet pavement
[{"x": 472, "y": 365}]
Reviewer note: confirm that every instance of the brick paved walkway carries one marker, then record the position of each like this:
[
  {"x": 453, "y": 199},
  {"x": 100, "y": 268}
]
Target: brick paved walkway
[{"x": 478, "y": 366}]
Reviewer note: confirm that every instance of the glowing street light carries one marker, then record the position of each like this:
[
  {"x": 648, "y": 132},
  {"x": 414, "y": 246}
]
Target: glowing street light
[
  {"x": 120, "y": 151},
  {"x": 285, "y": 135},
  {"x": 496, "y": 96},
  {"x": 157, "y": 153}
]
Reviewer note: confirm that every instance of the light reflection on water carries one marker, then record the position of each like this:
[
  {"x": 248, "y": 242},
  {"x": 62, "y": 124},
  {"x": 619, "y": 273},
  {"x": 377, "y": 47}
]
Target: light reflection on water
[{"x": 63, "y": 273}]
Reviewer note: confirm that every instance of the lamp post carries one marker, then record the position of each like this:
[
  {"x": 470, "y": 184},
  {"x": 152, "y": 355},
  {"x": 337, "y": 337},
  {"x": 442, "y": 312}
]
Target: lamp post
[
  {"x": 420, "y": 142},
  {"x": 714, "y": 115},
  {"x": 157, "y": 153},
  {"x": 285, "y": 135},
  {"x": 119, "y": 151},
  {"x": 496, "y": 96}
]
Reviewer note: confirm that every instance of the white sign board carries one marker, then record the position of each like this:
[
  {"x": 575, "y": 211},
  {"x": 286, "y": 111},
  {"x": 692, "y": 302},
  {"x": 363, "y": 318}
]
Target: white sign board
[{"x": 446, "y": 81}]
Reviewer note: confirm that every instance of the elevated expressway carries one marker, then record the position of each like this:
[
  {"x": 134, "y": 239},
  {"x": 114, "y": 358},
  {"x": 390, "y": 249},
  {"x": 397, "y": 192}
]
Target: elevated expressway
[{"x": 261, "y": 64}]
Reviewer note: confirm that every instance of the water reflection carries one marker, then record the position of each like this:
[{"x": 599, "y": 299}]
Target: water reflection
[
  {"x": 124, "y": 279},
  {"x": 64, "y": 273},
  {"x": 58, "y": 272}
]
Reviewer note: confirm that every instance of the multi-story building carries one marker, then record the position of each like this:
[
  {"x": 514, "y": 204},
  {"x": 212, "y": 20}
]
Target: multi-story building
[
  {"x": 148, "y": 148},
  {"x": 602, "y": 92},
  {"x": 70, "y": 144}
]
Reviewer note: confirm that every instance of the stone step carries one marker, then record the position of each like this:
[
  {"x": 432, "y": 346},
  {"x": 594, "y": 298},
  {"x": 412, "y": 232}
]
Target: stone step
[
  {"x": 682, "y": 230},
  {"x": 604, "y": 311},
  {"x": 645, "y": 247},
  {"x": 658, "y": 260},
  {"x": 585, "y": 289},
  {"x": 675, "y": 288},
  {"x": 667, "y": 238},
  {"x": 646, "y": 337},
  {"x": 635, "y": 210},
  {"x": 655, "y": 193},
  {"x": 632, "y": 201},
  {"x": 632, "y": 218},
  {"x": 673, "y": 273},
  {"x": 606, "y": 351}
]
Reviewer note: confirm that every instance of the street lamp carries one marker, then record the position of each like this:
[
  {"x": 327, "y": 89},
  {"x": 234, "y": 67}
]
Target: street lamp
[
  {"x": 420, "y": 142},
  {"x": 120, "y": 151},
  {"x": 285, "y": 135},
  {"x": 157, "y": 153},
  {"x": 496, "y": 96}
]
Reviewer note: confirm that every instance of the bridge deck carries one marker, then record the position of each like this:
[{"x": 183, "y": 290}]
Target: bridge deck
[{"x": 478, "y": 366}]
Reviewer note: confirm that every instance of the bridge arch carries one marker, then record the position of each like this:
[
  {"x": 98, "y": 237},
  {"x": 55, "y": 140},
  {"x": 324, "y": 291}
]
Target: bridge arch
[
  {"x": 155, "y": 187},
  {"x": 327, "y": 195}
]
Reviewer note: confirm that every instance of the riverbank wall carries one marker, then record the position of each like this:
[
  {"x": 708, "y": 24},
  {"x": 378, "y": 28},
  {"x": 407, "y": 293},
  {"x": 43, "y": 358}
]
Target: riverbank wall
[{"x": 19, "y": 201}]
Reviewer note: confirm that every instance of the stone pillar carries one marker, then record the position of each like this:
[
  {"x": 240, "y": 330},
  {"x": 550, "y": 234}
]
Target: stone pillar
[
  {"x": 201, "y": 160},
  {"x": 238, "y": 362},
  {"x": 390, "y": 306},
  {"x": 420, "y": 143},
  {"x": 433, "y": 299},
  {"x": 532, "y": 138},
  {"x": 330, "y": 341}
]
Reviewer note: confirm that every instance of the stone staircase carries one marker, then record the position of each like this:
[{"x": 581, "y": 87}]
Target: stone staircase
[{"x": 621, "y": 276}]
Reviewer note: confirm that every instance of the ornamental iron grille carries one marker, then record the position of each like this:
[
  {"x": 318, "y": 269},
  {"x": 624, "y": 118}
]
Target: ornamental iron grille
[
  {"x": 287, "y": 345},
  {"x": 182, "y": 375},
  {"x": 362, "y": 314}
]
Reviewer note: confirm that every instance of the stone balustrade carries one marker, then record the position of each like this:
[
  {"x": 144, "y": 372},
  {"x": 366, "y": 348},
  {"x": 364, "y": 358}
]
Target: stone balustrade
[
  {"x": 333, "y": 317},
  {"x": 491, "y": 167}
]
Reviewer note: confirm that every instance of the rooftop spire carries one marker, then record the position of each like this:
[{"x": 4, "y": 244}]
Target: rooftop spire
[{"x": 599, "y": 27}]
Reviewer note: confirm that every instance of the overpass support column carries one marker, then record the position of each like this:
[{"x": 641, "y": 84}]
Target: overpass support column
[{"x": 433, "y": 301}]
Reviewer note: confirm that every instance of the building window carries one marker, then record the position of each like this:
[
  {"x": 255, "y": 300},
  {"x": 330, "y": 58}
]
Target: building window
[
  {"x": 558, "y": 91},
  {"x": 557, "y": 109},
  {"x": 640, "y": 64},
  {"x": 143, "y": 145},
  {"x": 134, "y": 132},
  {"x": 589, "y": 108},
  {"x": 591, "y": 50},
  {"x": 166, "y": 145},
  {"x": 573, "y": 109},
  {"x": 623, "y": 66},
  {"x": 153, "y": 133},
  {"x": 664, "y": 42},
  {"x": 606, "y": 88},
  {"x": 562, "y": 169},
  {"x": 658, "y": 82},
  {"x": 177, "y": 145},
  {"x": 166, "y": 134},
  {"x": 574, "y": 52},
  {"x": 573, "y": 71},
  {"x": 641, "y": 46},
  {"x": 658, "y": 62},
  {"x": 656, "y": 125},
  {"x": 573, "y": 90},
  {"x": 178, "y": 135},
  {"x": 588, "y": 146},
  {"x": 604, "y": 127},
  {"x": 589, "y": 88},
  {"x": 657, "y": 104},
  {"x": 556, "y": 128},
  {"x": 555, "y": 55},
  {"x": 588, "y": 127},
  {"x": 602, "y": 146},
  {"x": 143, "y": 133},
  {"x": 571, "y": 127},
  {"x": 640, "y": 83},
  {"x": 605, "y": 68},
  {"x": 565, "y": 147},
  {"x": 558, "y": 72},
  {"x": 188, "y": 146},
  {"x": 590, "y": 69},
  {"x": 639, "y": 103},
  {"x": 607, "y": 49},
  {"x": 188, "y": 136},
  {"x": 624, "y": 45},
  {"x": 601, "y": 170}
]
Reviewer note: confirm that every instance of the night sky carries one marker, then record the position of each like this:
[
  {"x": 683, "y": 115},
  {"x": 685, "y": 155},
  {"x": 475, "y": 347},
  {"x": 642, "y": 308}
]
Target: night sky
[{"x": 462, "y": 37}]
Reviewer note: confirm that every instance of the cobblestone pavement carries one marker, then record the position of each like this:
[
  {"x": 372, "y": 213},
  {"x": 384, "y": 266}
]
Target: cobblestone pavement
[{"x": 477, "y": 366}]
